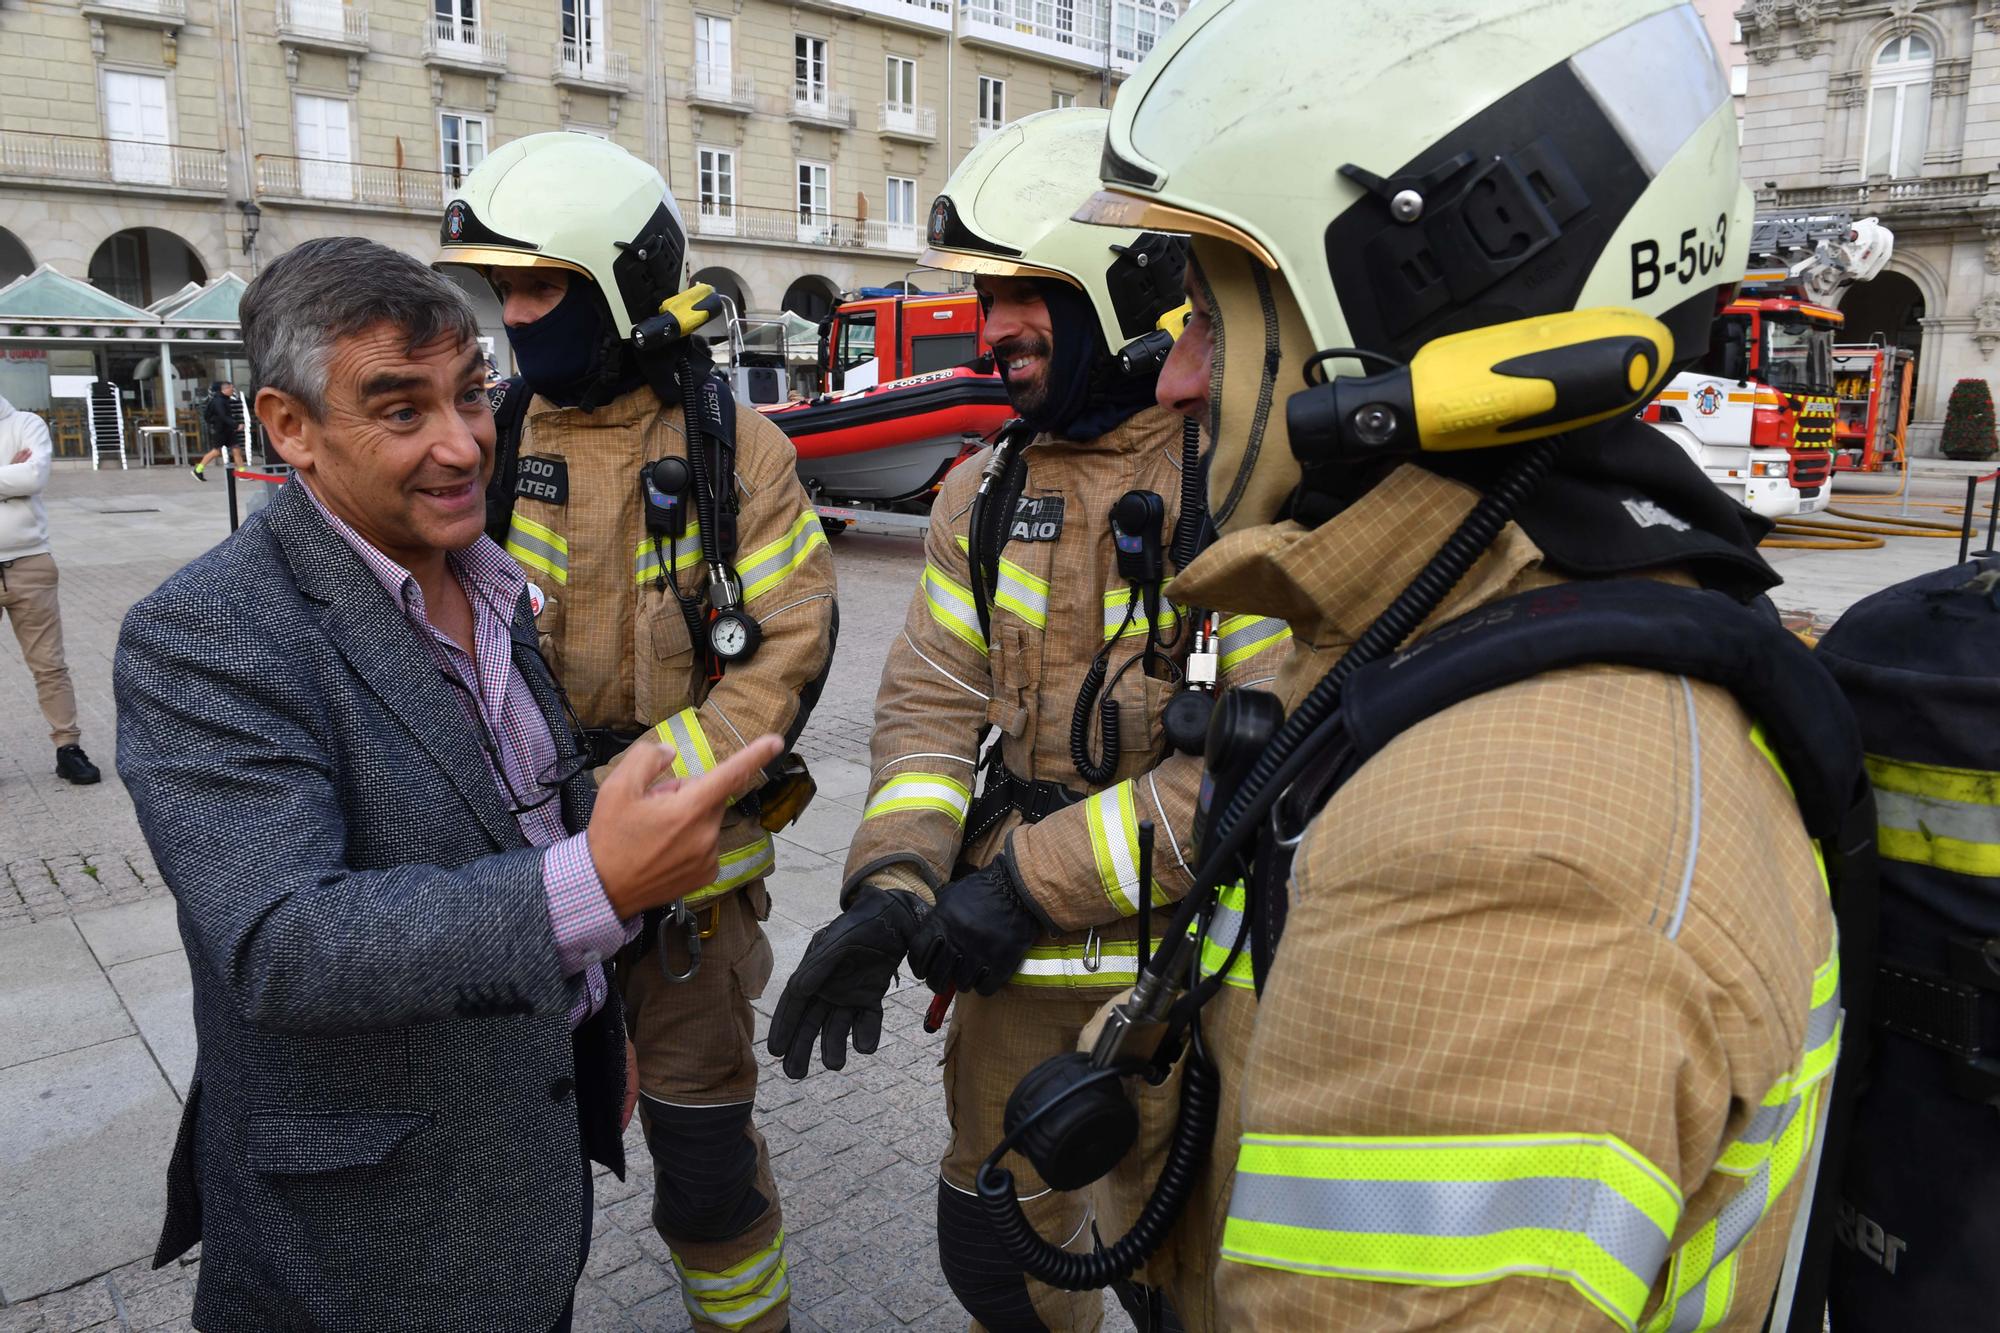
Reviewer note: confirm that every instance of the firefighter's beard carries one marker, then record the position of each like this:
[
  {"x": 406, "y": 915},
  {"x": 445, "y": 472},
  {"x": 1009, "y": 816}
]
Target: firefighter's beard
[{"x": 1028, "y": 389}]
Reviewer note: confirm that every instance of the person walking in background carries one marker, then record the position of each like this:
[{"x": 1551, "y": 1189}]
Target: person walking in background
[
  {"x": 28, "y": 583},
  {"x": 222, "y": 425}
]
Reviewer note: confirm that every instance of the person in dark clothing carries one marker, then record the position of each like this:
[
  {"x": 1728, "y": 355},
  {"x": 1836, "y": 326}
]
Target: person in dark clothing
[{"x": 222, "y": 426}]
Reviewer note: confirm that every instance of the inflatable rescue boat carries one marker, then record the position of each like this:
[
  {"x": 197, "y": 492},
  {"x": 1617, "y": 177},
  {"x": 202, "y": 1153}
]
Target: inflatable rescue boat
[{"x": 891, "y": 442}]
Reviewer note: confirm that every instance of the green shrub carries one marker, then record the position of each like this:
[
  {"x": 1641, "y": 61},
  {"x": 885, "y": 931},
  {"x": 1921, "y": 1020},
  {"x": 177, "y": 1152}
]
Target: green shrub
[{"x": 1968, "y": 421}]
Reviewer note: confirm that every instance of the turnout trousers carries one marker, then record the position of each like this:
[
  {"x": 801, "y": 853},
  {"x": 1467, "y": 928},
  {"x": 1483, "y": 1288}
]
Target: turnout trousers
[
  {"x": 715, "y": 1202},
  {"x": 995, "y": 1040}
]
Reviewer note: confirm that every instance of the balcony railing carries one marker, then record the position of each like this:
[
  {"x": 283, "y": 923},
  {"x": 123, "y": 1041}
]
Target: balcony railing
[
  {"x": 720, "y": 88},
  {"x": 983, "y": 129},
  {"x": 927, "y": 15},
  {"x": 323, "y": 20},
  {"x": 1882, "y": 192},
  {"x": 815, "y": 103},
  {"x": 1070, "y": 32},
  {"x": 401, "y": 189},
  {"x": 73, "y": 158},
  {"x": 899, "y": 120},
  {"x": 591, "y": 63},
  {"x": 464, "y": 42},
  {"x": 779, "y": 226}
]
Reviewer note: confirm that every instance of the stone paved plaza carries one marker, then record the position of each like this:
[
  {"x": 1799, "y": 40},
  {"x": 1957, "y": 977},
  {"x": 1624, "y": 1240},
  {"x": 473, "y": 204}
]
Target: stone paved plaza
[{"x": 96, "y": 1041}]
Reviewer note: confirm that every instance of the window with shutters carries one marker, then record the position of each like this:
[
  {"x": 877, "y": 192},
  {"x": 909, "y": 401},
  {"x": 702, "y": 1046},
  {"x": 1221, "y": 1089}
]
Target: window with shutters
[
  {"x": 899, "y": 90},
  {"x": 902, "y": 216},
  {"x": 464, "y": 143},
  {"x": 715, "y": 190},
  {"x": 583, "y": 36},
  {"x": 809, "y": 70},
  {"x": 325, "y": 146},
  {"x": 135, "y": 121},
  {"x": 992, "y": 107},
  {"x": 1899, "y": 106},
  {"x": 815, "y": 202},
  {"x": 714, "y": 61}
]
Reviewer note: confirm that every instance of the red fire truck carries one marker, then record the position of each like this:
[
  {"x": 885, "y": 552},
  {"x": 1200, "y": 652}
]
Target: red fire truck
[{"x": 1757, "y": 411}]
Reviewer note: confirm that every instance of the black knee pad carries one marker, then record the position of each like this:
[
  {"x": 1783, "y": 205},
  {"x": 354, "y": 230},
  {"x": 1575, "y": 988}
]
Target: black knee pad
[
  {"x": 704, "y": 1170},
  {"x": 990, "y": 1286}
]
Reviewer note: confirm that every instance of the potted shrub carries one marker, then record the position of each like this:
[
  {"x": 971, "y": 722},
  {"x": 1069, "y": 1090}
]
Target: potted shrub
[{"x": 1968, "y": 422}]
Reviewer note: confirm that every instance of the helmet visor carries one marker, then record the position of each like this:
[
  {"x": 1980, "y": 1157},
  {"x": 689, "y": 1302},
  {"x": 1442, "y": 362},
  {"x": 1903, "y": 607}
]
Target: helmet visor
[
  {"x": 1111, "y": 208},
  {"x": 995, "y": 266}
]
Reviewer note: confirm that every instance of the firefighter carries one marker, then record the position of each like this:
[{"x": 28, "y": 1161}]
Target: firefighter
[
  {"x": 683, "y": 592},
  {"x": 1027, "y": 897},
  {"x": 1544, "y": 994}
]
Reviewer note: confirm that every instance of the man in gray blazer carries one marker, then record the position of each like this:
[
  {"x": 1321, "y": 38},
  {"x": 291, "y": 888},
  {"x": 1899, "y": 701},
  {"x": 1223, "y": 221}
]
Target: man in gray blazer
[{"x": 356, "y": 774}]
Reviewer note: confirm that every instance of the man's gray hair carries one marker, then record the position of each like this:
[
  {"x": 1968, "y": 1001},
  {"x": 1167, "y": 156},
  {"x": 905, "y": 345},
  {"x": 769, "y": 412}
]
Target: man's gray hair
[{"x": 323, "y": 290}]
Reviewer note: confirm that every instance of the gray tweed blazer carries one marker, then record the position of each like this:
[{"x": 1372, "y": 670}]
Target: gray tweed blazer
[{"x": 389, "y": 1113}]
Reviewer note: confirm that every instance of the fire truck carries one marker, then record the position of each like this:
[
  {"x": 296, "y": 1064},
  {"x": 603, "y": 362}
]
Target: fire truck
[
  {"x": 1758, "y": 411},
  {"x": 1872, "y": 386}
]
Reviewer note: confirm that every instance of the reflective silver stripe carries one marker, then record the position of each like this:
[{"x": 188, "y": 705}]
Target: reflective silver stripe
[
  {"x": 1081, "y": 963},
  {"x": 1243, "y": 637},
  {"x": 1936, "y": 817},
  {"x": 768, "y": 567},
  {"x": 1823, "y": 1022},
  {"x": 1459, "y": 1209},
  {"x": 1029, "y": 601},
  {"x": 687, "y": 750},
  {"x": 1694, "y": 814}
]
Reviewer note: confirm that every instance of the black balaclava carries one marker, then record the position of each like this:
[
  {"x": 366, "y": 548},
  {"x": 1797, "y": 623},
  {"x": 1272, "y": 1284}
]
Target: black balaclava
[
  {"x": 1088, "y": 394},
  {"x": 571, "y": 356}
]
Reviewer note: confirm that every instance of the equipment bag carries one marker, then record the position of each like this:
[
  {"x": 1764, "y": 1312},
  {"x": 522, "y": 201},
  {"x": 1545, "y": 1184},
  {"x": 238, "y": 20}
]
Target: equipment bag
[{"x": 1919, "y": 1224}]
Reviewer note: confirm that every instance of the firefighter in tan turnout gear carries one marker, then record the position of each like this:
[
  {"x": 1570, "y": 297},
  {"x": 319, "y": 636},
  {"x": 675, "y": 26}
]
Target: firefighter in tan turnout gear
[
  {"x": 1542, "y": 980},
  {"x": 683, "y": 592},
  {"x": 1035, "y": 615}
]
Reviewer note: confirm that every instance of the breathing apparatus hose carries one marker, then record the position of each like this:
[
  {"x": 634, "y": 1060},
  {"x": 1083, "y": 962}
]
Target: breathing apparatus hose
[
  {"x": 1187, "y": 1153},
  {"x": 1194, "y": 504},
  {"x": 1309, "y": 727},
  {"x": 704, "y": 479}
]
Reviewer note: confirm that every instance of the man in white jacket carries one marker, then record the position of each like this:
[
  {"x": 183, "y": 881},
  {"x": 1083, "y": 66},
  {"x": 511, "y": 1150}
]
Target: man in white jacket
[{"x": 28, "y": 583}]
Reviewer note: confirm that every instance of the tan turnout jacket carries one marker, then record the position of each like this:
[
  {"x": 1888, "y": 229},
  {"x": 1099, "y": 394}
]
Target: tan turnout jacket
[
  {"x": 1557, "y": 960},
  {"x": 609, "y": 623},
  {"x": 1060, "y": 600}
]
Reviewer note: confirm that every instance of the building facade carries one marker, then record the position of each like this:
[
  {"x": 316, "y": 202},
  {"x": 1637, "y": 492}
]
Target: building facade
[
  {"x": 1890, "y": 108},
  {"x": 145, "y": 144}
]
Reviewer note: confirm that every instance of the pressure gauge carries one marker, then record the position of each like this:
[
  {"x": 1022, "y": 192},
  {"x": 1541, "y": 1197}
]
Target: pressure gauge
[{"x": 734, "y": 636}]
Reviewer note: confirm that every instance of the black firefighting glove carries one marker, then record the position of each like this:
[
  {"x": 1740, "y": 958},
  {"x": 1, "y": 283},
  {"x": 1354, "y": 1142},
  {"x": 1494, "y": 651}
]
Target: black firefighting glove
[
  {"x": 838, "y": 988},
  {"x": 980, "y": 930}
]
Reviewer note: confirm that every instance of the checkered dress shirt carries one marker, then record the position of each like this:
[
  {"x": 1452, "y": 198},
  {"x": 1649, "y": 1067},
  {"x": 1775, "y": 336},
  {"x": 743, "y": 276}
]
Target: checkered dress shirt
[{"x": 586, "y": 930}]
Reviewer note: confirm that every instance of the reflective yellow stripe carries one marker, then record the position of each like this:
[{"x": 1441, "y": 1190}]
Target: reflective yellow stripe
[
  {"x": 1583, "y": 1209},
  {"x": 951, "y": 607},
  {"x": 1240, "y": 638},
  {"x": 538, "y": 547},
  {"x": 1586, "y": 1210},
  {"x": 1933, "y": 815},
  {"x": 1092, "y": 965},
  {"x": 1115, "y": 603},
  {"x": 736, "y": 1296},
  {"x": 920, "y": 791},
  {"x": 753, "y": 861},
  {"x": 651, "y": 555},
  {"x": 1018, "y": 591},
  {"x": 768, "y": 566},
  {"x": 1114, "y": 840},
  {"x": 1224, "y": 925},
  {"x": 692, "y": 755}
]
